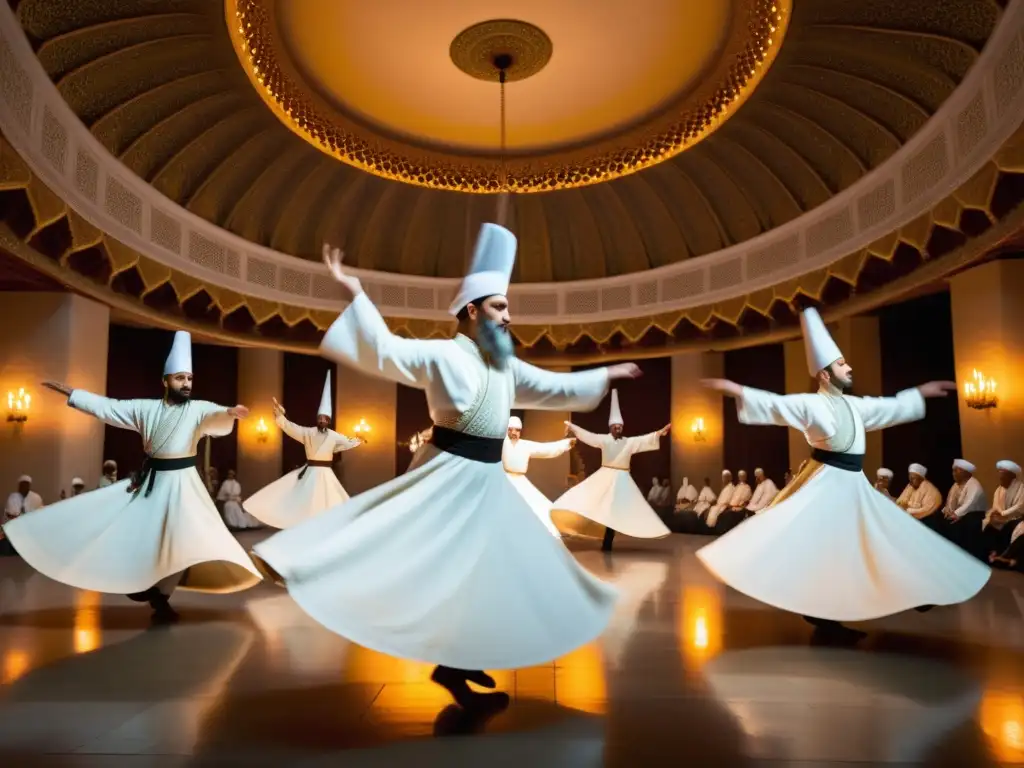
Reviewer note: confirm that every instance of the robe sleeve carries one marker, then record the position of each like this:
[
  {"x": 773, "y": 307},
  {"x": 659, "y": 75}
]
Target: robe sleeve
[
  {"x": 903, "y": 499},
  {"x": 759, "y": 408},
  {"x": 645, "y": 443},
  {"x": 290, "y": 428},
  {"x": 587, "y": 438},
  {"x": 222, "y": 492},
  {"x": 360, "y": 339},
  {"x": 931, "y": 502},
  {"x": 13, "y": 506},
  {"x": 538, "y": 389},
  {"x": 740, "y": 497},
  {"x": 975, "y": 493},
  {"x": 343, "y": 443},
  {"x": 881, "y": 412},
  {"x": 124, "y": 414},
  {"x": 1016, "y": 510},
  {"x": 547, "y": 450},
  {"x": 214, "y": 420}
]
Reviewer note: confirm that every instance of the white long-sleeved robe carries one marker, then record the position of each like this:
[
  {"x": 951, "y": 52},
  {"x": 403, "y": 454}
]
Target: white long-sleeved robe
[
  {"x": 963, "y": 499},
  {"x": 291, "y": 499},
  {"x": 446, "y": 563},
  {"x": 610, "y": 498},
  {"x": 687, "y": 495},
  {"x": 705, "y": 499},
  {"x": 114, "y": 541},
  {"x": 834, "y": 523},
  {"x": 230, "y": 496},
  {"x": 18, "y": 505},
  {"x": 515, "y": 458},
  {"x": 1009, "y": 502},
  {"x": 763, "y": 495},
  {"x": 922, "y": 501},
  {"x": 721, "y": 504}
]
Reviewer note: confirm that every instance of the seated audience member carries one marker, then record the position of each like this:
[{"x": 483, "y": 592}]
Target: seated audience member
[
  {"x": 764, "y": 493},
  {"x": 921, "y": 498},
  {"x": 1006, "y": 511},
  {"x": 882, "y": 479},
  {"x": 736, "y": 512},
  {"x": 724, "y": 498},
  {"x": 693, "y": 520},
  {"x": 965, "y": 510}
]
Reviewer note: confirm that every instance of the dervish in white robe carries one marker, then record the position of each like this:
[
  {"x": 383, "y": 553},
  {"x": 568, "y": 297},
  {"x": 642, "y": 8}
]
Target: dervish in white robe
[
  {"x": 515, "y": 458},
  {"x": 446, "y": 563},
  {"x": 609, "y": 501},
  {"x": 230, "y": 496},
  {"x": 1006, "y": 510},
  {"x": 159, "y": 531},
  {"x": 309, "y": 490},
  {"x": 686, "y": 496},
  {"x": 735, "y": 509},
  {"x": 965, "y": 510},
  {"x": 835, "y": 549}
]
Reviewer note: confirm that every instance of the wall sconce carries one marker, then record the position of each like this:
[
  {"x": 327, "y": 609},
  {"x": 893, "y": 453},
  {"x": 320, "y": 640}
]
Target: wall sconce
[
  {"x": 262, "y": 431},
  {"x": 981, "y": 393},
  {"x": 18, "y": 404},
  {"x": 697, "y": 429},
  {"x": 362, "y": 429}
]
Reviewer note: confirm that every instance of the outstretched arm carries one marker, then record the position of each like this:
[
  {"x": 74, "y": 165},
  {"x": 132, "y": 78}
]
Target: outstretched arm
[
  {"x": 755, "y": 406},
  {"x": 549, "y": 450},
  {"x": 124, "y": 414},
  {"x": 587, "y": 438},
  {"x": 343, "y": 443},
  {"x": 881, "y": 412},
  {"x": 290, "y": 428},
  {"x": 579, "y": 391},
  {"x": 218, "y": 420}
]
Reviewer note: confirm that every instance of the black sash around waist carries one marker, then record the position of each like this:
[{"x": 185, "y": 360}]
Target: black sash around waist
[
  {"x": 314, "y": 463},
  {"x": 150, "y": 466},
  {"x": 486, "y": 450},
  {"x": 848, "y": 462}
]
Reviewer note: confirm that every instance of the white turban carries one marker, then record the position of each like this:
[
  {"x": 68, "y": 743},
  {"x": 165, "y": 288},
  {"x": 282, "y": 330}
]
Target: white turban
[
  {"x": 77, "y": 481},
  {"x": 758, "y": 470},
  {"x": 514, "y": 422},
  {"x": 884, "y": 472},
  {"x": 918, "y": 469},
  {"x": 965, "y": 465},
  {"x": 726, "y": 472},
  {"x": 24, "y": 479},
  {"x": 1008, "y": 466}
]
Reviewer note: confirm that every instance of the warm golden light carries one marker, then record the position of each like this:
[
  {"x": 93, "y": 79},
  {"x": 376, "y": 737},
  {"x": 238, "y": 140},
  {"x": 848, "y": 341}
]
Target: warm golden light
[
  {"x": 262, "y": 431},
  {"x": 18, "y": 405},
  {"x": 981, "y": 392},
  {"x": 1002, "y": 720},
  {"x": 697, "y": 429},
  {"x": 362, "y": 429},
  {"x": 15, "y": 665},
  {"x": 87, "y": 632},
  {"x": 702, "y": 629},
  {"x": 580, "y": 681}
]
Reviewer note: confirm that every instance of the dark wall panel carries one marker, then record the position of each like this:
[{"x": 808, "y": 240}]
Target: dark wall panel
[
  {"x": 746, "y": 447},
  {"x": 646, "y": 405},
  {"x": 917, "y": 346},
  {"x": 411, "y": 416},
  {"x": 135, "y": 364}
]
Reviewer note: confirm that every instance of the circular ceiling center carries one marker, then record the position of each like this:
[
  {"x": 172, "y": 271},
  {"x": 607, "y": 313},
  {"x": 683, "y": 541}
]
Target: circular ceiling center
[
  {"x": 505, "y": 48},
  {"x": 393, "y": 64}
]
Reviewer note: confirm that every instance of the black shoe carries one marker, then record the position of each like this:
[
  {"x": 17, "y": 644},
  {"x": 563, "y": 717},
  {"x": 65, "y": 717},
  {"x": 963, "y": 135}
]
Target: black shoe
[
  {"x": 454, "y": 681},
  {"x": 828, "y": 631},
  {"x": 148, "y": 596},
  {"x": 924, "y": 608},
  {"x": 162, "y": 611},
  {"x": 480, "y": 678}
]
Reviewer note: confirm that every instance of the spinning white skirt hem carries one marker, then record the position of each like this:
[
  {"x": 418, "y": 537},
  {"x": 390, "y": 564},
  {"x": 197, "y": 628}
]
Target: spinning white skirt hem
[
  {"x": 539, "y": 503},
  {"x": 446, "y": 565},
  {"x": 837, "y": 549},
  {"x": 611, "y": 499},
  {"x": 290, "y": 500}
]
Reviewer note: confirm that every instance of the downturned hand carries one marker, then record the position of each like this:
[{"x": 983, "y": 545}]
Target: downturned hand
[
  {"x": 238, "y": 412},
  {"x": 726, "y": 387},
  {"x": 937, "y": 388},
  {"x": 64, "y": 389},
  {"x": 624, "y": 371}
]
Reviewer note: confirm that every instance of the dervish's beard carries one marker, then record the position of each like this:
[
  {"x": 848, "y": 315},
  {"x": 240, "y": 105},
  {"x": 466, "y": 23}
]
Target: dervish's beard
[
  {"x": 495, "y": 342},
  {"x": 321, "y": 429},
  {"x": 178, "y": 396}
]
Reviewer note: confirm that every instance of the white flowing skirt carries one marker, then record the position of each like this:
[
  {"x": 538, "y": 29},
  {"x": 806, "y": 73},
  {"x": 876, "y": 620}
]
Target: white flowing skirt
[
  {"x": 445, "y": 564},
  {"x": 236, "y": 517},
  {"x": 109, "y": 540},
  {"x": 838, "y": 549},
  {"x": 289, "y": 501},
  {"x": 539, "y": 503},
  {"x": 609, "y": 498}
]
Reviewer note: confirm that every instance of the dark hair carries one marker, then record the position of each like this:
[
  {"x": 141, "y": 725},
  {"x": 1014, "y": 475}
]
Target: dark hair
[
  {"x": 707, "y": 481},
  {"x": 464, "y": 312}
]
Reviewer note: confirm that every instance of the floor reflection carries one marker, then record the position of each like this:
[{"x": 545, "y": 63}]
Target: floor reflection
[{"x": 688, "y": 671}]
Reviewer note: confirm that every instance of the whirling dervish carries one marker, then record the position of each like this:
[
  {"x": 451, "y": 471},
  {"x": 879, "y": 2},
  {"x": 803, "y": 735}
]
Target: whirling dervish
[
  {"x": 515, "y": 458},
  {"x": 160, "y": 530},
  {"x": 609, "y": 501},
  {"x": 446, "y": 564},
  {"x": 309, "y": 490},
  {"x": 831, "y": 547}
]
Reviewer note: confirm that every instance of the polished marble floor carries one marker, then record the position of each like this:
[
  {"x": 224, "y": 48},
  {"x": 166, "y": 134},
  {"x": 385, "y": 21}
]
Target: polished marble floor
[{"x": 690, "y": 673}]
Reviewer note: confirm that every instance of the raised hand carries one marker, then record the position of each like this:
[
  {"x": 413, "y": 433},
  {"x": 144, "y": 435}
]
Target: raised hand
[
  {"x": 332, "y": 260},
  {"x": 278, "y": 408},
  {"x": 570, "y": 428},
  {"x": 238, "y": 412},
  {"x": 64, "y": 389},
  {"x": 624, "y": 371},
  {"x": 664, "y": 430},
  {"x": 937, "y": 388},
  {"x": 572, "y": 442}
]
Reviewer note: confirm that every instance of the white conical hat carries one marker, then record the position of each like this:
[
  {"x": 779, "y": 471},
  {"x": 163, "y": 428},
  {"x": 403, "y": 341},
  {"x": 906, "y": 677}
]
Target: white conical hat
[
  {"x": 180, "y": 358},
  {"x": 325, "y": 398},
  {"x": 614, "y": 414},
  {"x": 491, "y": 269},
  {"x": 821, "y": 350},
  {"x": 514, "y": 422}
]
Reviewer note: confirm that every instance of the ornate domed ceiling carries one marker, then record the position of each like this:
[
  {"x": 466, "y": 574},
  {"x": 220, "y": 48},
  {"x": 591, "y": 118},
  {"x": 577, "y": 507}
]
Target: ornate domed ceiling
[
  {"x": 160, "y": 85},
  {"x": 808, "y": 151}
]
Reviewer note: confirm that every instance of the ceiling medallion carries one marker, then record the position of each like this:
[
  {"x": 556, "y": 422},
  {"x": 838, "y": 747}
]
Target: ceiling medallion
[
  {"x": 757, "y": 34},
  {"x": 484, "y": 50}
]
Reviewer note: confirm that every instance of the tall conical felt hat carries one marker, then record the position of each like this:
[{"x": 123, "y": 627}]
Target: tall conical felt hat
[
  {"x": 180, "y": 358},
  {"x": 491, "y": 270},
  {"x": 821, "y": 350},
  {"x": 325, "y": 398},
  {"x": 614, "y": 414}
]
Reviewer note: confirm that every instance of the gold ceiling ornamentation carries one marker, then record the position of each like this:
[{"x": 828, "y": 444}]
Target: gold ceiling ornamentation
[
  {"x": 475, "y": 50},
  {"x": 746, "y": 57}
]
